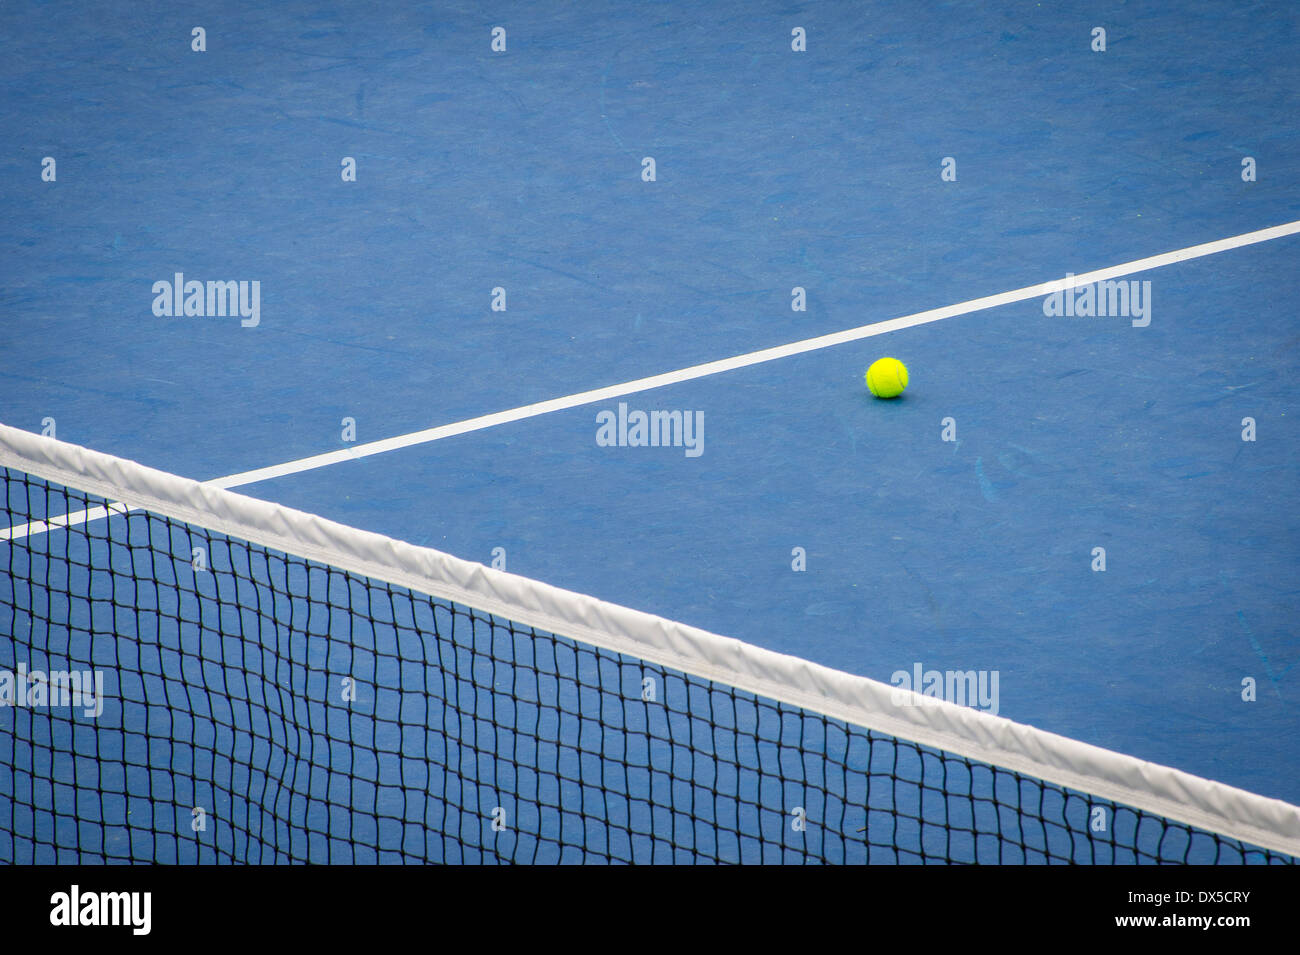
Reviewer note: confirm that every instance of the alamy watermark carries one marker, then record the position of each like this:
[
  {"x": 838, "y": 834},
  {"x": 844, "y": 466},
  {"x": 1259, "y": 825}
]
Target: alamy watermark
[
  {"x": 975, "y": 688},
  {"x": 194, "y": 299},
  {"x": 133, "y": 910},
  {"x": 651, "y": 429},
  {"x": 56, "y": 689},
  {"x": 1119, "y": 299}
]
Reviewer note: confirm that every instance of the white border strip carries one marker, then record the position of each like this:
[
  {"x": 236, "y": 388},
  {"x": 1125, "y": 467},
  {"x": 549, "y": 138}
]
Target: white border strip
[{"x": 1232, "y": 812}]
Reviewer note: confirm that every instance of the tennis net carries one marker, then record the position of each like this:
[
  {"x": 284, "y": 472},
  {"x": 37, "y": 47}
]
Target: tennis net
[{"x": 200, "y": 676}]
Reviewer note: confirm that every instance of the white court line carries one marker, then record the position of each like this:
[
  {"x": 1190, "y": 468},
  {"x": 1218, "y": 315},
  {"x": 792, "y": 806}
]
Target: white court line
[
  {"x": 702, "y": 371},
  {"x": 750, "y": 358},
  {"x": 75, "y": 519}
]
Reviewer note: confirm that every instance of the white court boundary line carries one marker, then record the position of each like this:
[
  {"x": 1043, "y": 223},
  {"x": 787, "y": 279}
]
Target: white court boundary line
[{"x": 693, "y": 372}]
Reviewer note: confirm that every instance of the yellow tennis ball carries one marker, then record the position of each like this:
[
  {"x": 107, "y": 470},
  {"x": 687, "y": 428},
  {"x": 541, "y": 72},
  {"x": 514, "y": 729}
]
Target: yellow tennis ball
[{"x": 887, "y": 377}]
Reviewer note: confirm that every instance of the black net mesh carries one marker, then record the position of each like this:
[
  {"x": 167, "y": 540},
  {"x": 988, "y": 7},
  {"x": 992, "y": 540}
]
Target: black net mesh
[{"x": 259, "y": 707}]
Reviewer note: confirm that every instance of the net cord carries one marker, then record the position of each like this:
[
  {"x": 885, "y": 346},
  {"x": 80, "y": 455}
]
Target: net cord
[{"x": 1161, "y": 790}]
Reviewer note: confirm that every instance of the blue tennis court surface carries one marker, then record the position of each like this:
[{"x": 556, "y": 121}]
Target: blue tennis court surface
[{"x": 955, "y": 528}]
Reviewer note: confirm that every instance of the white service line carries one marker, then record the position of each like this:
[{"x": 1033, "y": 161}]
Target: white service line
[
  {"x": 75, "y": 519},
  {"x": 751, "y": 358},
  {"x": 696, "y": 371}
]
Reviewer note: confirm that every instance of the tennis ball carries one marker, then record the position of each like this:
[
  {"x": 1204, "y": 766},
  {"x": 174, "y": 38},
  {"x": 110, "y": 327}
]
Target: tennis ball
[{"x": 887, "y": 377}]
